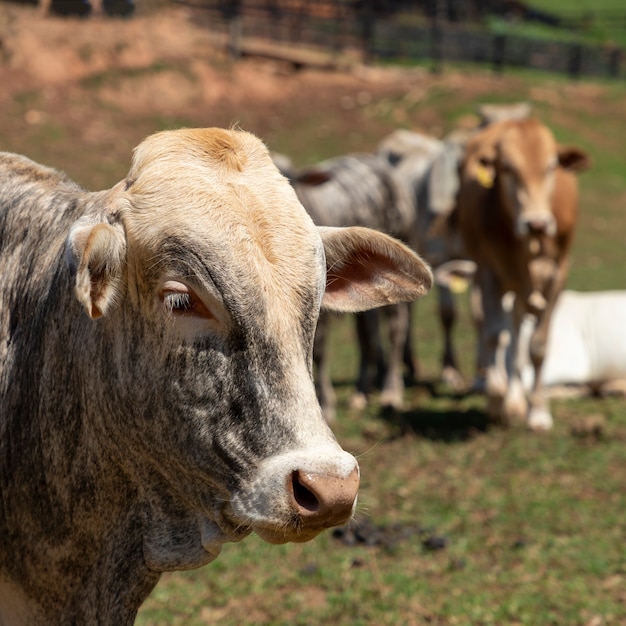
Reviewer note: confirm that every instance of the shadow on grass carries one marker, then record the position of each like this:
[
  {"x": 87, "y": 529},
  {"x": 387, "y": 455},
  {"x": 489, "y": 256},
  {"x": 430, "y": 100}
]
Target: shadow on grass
[
  {"x": 448, "y": 424},
  {"x": 445, "y": 425}
]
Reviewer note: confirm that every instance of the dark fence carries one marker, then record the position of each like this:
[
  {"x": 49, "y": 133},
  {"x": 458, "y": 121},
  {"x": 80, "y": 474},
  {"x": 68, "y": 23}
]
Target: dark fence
[{"x": 396, "y": 35}]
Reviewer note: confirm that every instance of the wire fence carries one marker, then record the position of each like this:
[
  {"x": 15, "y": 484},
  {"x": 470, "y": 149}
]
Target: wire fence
[{"x": 393, "y": 32}]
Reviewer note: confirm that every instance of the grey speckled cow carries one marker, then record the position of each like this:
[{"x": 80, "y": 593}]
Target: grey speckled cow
[{"x": 179, "y": 413}]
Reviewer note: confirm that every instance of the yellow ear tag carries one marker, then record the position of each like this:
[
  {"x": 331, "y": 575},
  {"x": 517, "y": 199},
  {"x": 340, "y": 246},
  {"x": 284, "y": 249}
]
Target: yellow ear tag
[
  {"x": 458, "y": 284},
  {"x": 484, "y": 176}
]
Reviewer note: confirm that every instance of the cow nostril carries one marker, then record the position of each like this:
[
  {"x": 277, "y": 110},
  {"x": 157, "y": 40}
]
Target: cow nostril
[
  {"x": 321, "y": 499},
  {"x": 304, "y": 497},
  {"x": 537, "y": 226}
]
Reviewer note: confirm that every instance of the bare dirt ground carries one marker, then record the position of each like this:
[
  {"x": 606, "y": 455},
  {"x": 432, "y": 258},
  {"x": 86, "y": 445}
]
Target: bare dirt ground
[
  {"x": 105, "y": 83},
  {"x": 97, "y": 86}
]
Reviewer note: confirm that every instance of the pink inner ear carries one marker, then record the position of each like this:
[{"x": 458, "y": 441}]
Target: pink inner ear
[{"x": 356, "y": 271}]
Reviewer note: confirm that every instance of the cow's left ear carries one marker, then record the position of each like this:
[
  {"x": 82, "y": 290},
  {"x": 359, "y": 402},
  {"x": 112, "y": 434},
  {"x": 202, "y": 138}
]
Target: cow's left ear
[
  {"x": 96, "y": 253},
  {"x": 367, "y": 269},
  {"x": 573, "y": 158}
]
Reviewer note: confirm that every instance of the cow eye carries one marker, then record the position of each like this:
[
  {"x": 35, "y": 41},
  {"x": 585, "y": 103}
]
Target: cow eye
[{"x": 180, "y": 300}]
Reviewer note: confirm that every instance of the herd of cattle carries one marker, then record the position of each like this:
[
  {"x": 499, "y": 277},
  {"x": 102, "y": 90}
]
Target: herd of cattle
[
  {"x": 497, "y": 205},
  {"x": 158, "y": 339}
]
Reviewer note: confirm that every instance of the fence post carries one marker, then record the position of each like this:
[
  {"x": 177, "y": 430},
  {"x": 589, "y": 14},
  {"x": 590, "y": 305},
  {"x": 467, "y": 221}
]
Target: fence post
[
  {"x": 367, "y": 30},
  {"x": 575, "y": 60},
  {"x": 499, "y": 47},
  {"x": 615, "y": 59},
  {"x": 436, "y": 39},
  {"x": 231, "y": 11}
]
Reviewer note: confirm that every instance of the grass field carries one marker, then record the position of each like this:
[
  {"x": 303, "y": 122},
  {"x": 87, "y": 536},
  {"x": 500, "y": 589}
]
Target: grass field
[
  {"x": 533, "y": 526},
  {"x": 604, "y": 20},
  {"x": 469, "y": 524}
]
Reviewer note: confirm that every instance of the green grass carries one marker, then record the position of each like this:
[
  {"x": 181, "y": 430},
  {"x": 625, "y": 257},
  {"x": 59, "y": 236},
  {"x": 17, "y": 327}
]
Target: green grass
[
  {"x": 535, "y": 524},
  {"x": 605, "y": 20},
  {"x": 581, "y": 6}
]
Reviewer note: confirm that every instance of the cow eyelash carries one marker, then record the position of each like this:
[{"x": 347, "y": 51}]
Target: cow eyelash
[
  {"x": 179, "y": 300},
  {"x": 179, "y": 303}
]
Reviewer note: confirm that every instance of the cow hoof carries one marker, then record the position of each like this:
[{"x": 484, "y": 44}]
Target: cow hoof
[
  {"x": 358, "y": 401},
  {"x": 540, "y": 419},
  {"x": 452, "y": 377},
  {"x": 391, "y": 400},
  {"x": 515, "y": 403},
  {"x": 496, "y": 384}
]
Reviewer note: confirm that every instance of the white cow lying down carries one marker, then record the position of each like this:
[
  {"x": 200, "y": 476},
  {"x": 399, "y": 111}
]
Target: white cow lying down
[
  {"x": 587, "y": 342},
  {"x": 586, "y": 347}
]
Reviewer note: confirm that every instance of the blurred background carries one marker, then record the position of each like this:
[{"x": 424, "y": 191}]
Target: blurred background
[{"x": 460, "y": 521}]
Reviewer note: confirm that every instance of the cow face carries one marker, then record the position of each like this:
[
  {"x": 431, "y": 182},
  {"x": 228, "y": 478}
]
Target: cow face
[
  {"x": 208, "y": 277},
  {"x": 519, "y": 159}
]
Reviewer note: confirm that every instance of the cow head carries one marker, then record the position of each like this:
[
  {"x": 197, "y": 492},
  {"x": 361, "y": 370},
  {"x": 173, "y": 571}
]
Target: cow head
[
  {"x": 519, "y": 159},
  {"x": 207, "y": 277}
]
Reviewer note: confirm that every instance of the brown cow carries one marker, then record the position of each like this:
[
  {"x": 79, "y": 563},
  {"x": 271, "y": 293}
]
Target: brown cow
[{"x": 516, "y": 212}]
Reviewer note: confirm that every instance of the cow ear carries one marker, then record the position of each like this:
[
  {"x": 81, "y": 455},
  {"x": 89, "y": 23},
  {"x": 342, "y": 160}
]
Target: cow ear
[
  {"x": 313, "y": 177},
  {"x": 483, "y": 171},
  {"x": 368, "y": 269},
  {"x": 96, "y": 253},
  {"x": 573, "y": 158},
  {"x": 455, "y": 275}
]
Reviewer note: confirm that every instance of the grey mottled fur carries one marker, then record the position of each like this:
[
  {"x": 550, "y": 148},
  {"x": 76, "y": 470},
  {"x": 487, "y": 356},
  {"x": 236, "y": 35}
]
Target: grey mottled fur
[
  {"x": 124, "y": 451},
  {"x": 358, "y": 190}
]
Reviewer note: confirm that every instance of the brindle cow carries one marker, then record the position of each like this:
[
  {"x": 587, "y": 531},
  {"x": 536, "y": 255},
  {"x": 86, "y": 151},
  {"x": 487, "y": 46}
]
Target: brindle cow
[
  {"x": 516, "y": 211},
  {"x": 357, "y": 190},
  {"x": 179, "y": 412}
]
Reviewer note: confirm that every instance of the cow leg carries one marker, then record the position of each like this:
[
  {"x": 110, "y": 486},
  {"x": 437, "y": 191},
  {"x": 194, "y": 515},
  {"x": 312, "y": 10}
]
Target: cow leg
[
  {"x": 408, "y": 357},
  {"x": 515, "y": 403},
  {"x": 323, "y": 384},
  {"x": 371, "y": 362},
  {"x": 540, "y": 417},
  {"x": 496, "y": 333},
  {"x": 447, "y": 316},
  {"x": 393, "y": 388},
  {"x": 482, "y": 354}
]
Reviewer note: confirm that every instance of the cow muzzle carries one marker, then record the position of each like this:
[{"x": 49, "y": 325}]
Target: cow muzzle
[
  {"x": 298, "y": 496},
  {"x": 536, "y": 223},
  {"x": 323, "y": 500}
]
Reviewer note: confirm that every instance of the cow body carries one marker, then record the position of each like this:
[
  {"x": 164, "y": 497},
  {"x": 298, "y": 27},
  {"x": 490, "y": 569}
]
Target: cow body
[
  {"x": 516, "y": 212},
  {"x": 586, "y": 343},
  {"x": 358, "y": 190},
  {"x": 179, "y": 412},
  {"x": 427, "y": 169}
]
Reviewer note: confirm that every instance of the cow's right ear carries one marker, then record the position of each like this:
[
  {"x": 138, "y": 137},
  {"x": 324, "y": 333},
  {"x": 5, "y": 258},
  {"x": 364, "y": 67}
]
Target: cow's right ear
[
  {"x": 366, "y": 269},
  {"x": 313, "y": 177},
  {"x": 96, "y": 253},
  {"x": 573, "y": 158}
]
